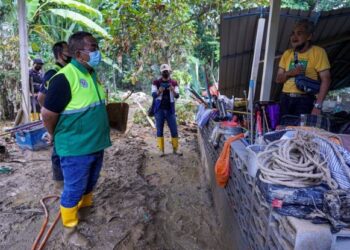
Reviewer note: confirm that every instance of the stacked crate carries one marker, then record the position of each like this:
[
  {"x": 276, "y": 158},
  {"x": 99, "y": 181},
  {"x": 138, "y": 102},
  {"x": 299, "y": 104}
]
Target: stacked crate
[{"x": 260, "y": 226}]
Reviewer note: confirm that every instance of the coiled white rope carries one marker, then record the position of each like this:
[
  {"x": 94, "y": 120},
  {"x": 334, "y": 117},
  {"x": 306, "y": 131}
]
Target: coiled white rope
[{"x": 294, "y": 162}]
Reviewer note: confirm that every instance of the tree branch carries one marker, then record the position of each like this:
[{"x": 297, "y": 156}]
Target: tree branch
[{"x": 205, "y": 10}]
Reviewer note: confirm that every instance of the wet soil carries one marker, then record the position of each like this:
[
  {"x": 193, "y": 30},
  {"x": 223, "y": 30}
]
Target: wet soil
[{"x": 142, "y": 200}]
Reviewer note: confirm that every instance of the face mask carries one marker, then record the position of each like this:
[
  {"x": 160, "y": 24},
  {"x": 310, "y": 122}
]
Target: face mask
[
  {"x": 165, "y": 74},
  {"x": 37, "y": 68},
  {"x": 95, "y": 59},
  {"x": 68, "y": 59}
]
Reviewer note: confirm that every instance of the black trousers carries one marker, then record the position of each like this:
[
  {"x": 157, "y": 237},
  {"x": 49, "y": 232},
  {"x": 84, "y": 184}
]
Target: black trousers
[{"x": 302, "y": 104}]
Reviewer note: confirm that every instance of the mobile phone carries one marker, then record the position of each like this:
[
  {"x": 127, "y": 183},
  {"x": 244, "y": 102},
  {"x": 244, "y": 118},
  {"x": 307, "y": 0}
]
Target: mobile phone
[{"x": 165, "y": 85}]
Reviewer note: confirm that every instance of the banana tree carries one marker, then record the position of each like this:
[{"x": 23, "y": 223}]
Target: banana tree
[{"x": 55, "y": 20}]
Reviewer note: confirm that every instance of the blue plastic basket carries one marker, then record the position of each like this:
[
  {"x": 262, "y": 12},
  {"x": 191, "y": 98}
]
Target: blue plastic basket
[{"x": 32, "y": 139}]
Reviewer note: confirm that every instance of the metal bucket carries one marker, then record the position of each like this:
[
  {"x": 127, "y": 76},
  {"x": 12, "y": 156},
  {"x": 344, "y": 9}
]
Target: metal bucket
[{"x": 118, "y": 115}]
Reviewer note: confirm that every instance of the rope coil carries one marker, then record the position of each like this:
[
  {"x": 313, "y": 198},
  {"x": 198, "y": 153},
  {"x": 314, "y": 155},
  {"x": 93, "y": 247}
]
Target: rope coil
[{"x": 294, "y": 162}]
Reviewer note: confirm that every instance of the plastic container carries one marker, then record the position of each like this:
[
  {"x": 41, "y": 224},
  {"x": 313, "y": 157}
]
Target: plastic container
[
  {"x": 303, "y": 120},
  {"x": 32, "y": 138},
  {"x": 252, "y": 163}
]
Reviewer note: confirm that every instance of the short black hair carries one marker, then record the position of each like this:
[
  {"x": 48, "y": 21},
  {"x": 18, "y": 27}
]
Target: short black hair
[
  {"x": 307, "y": 24},
  {"x": 76, "y": 41},
  {"x": 57, "y": 48}
]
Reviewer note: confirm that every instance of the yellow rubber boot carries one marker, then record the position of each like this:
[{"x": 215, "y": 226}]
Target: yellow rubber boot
[
  {"x": 70, "y": 233},
  {"x": 69, "y": 216},
  {"x": 84, "y": 206},
  {"x": 86, "y": 201},
  {"x": 175, "y": 143},
  {"x": 160, "y": 142}
]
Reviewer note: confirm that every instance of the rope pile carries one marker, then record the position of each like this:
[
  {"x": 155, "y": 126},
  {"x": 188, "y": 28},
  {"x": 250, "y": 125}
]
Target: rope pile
[{"x": 294, "y": 162}]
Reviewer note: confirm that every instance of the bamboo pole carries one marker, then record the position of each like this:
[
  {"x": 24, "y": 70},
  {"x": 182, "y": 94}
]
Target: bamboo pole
[{"x": 145, "y": 113}]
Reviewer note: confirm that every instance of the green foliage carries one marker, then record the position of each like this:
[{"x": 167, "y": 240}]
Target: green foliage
[
  {"x": 32, "y": 6},
  {"x": 55, "y": 20},
  {"x": 81, "y": 7},
  {"x": 81, "y": 20},
  {"x": 185, "y": 113},
  {"x": 9, "y": 76},
  {"x": 183, "y": 78},
  {"x": 139, "y": 118}
]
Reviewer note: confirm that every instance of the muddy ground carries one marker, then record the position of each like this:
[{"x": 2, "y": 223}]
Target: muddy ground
[{"x": 142, "y": 200}]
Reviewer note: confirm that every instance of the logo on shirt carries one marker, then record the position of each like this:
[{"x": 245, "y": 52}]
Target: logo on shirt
[
  {"x": 84, "y": 83},
  {"x": 302, "y": 62}
]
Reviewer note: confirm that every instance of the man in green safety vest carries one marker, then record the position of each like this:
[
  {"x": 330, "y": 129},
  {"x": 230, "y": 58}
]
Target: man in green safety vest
[{"x": 75, "y": 114}]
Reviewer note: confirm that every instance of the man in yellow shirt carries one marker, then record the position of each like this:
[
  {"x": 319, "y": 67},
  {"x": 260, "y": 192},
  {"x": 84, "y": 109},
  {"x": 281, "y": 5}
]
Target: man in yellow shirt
[{"x": 303, "y": 58}]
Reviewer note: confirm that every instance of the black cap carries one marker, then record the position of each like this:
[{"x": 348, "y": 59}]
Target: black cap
[{"x": 38, "y": 61}]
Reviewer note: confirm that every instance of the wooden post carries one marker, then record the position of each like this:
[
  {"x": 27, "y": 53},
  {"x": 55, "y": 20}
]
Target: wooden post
[
  {"x": 271, "y": 40},
  {"x": 23, "y": 43}
]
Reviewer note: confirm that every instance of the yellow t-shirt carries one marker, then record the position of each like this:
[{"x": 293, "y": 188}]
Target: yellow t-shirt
[{"x": 314, "y": 60}]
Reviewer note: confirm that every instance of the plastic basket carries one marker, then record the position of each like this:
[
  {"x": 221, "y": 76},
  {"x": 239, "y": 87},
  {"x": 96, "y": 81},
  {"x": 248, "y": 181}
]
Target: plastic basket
[{"x": 32, "y": 139}]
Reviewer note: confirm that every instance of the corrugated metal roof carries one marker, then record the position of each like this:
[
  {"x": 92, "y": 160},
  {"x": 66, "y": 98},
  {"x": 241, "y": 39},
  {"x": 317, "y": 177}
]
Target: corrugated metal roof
[{"x": 238, "y": 31}]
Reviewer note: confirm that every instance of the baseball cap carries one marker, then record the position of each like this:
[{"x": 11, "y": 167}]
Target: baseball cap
[
  {"x": 164, "y": 67},
  {"x": 38, "y": 61}
]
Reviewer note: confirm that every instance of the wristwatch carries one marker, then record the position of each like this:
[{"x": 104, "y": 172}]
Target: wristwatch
[{"x": 318, "y": 105}]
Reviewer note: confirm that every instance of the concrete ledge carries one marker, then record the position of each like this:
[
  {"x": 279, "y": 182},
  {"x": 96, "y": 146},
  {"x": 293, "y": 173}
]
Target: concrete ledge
[{"x": 229, "y": 226}]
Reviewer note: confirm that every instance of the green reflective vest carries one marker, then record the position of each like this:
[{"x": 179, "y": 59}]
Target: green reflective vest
[
  {"x": 83, "y": 126},
  {"x": 55, "y": 68}
]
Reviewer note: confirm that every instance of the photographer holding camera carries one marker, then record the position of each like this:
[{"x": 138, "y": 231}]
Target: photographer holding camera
[{"x": 164, "y": 91}]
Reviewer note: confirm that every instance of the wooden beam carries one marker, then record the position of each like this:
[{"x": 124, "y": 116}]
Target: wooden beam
[
  {"x": 271, "y": 41},
  {"x": 23, "y": 43}
]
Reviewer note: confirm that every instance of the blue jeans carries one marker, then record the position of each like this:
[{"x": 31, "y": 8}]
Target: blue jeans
[
  {"x": 57, "y": 174},
  {"x": 80, "y": 176},
  {"x": 163, "y": 115}
]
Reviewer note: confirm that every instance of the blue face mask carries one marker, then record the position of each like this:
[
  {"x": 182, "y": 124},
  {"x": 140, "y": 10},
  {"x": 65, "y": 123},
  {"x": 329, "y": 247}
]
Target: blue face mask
[{"x": 95, "y": 58}]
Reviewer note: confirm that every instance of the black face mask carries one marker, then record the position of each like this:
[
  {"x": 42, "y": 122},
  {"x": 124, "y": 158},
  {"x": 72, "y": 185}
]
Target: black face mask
[
  {"x": 37, "y": 68},
  {"x": 165, "y": 74}
]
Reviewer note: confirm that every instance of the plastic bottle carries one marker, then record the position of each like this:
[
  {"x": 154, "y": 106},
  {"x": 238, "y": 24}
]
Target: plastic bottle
[{"x": 302, "y": 120}]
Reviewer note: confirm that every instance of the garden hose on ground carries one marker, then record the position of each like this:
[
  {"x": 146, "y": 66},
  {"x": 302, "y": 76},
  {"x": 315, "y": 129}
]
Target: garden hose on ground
[
  {"x": 294, "y": 162},
  {"x": 43, "y": 226}
]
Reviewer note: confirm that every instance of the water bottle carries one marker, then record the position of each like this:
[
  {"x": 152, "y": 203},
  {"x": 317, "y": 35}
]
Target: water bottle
[{"x": 302, "y": 120}]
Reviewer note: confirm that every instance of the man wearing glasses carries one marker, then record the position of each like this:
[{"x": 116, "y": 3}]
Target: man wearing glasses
[{"x": 75, "y": 114}]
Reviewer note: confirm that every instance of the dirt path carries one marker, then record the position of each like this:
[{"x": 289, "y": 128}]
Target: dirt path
[{"x": 142, "y": 201}]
